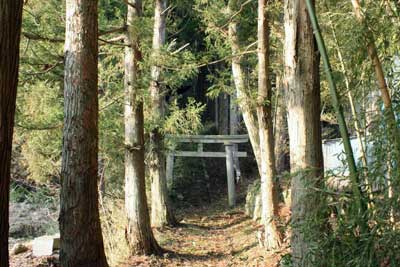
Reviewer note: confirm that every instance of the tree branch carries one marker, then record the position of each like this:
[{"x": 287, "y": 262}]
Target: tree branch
[
  {"x": 114, "y": 41},
  {"x": 37, "y": 37},
  {"x": 130, "y": 4},
  {"x": 34, "y": 36},
  {"x": 43, "y": 128},
  {"x": 215, "y": 61},
  {"x": 48, "y": 69},
  {"x": 236, "y": 13},
  {"x": 114, "y": 30}
]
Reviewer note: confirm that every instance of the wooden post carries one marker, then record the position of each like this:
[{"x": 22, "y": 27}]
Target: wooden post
[
  {"x": 233, "y": 130},
  {"x": 170, "y": 169},
  {"x": 230, "y": 175},
  {"x": 236, "y": 164},
  {"x": 233, "y": 115},
  {"x": 216, "y": 113}
]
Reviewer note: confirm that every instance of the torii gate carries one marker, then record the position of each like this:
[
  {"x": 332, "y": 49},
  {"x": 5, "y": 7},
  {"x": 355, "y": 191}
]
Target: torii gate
[{"x": 231, "y": 154}]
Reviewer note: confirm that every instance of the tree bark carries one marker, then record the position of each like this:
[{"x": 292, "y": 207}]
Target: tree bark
[
  {"x": 138, "y": 232},
  {"x": 161, "y": 210},
  {"x": 223, "y": 113},
  {"x": 81, "y": 237},
  {"x": 233, "y": 130},
  {"x": 281, "y": 133},
  {"x": 243, "y": 95},
  {"x": 301, "y": 62},
  {"x": 10, "y": 32},
  {"x": 264, "y": 111}
]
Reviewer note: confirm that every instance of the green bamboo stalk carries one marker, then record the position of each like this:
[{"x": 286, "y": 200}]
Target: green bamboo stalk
[{"x": 355, "y": 180}]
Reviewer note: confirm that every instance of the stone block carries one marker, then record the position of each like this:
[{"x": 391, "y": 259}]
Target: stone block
[{"x": 45, "y": 245}]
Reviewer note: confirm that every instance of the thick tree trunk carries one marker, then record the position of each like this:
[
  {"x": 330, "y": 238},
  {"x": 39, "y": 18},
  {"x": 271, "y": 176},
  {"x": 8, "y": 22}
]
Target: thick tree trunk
[
  {"x": 161, "y": 210},
  {"x": 81, "y": 237},
  {"x": 264, "y": 111},
  {"x": 242, "y": 93},
  {"x": 10, "y": 30},
  {"x": 138, "y": 232},
  {"x": 302, "y": 86}
]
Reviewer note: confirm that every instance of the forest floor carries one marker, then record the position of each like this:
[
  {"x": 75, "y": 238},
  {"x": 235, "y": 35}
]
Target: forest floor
[
  {"x": 208, "y": 236},
  {"x": 212, "y": 236}
]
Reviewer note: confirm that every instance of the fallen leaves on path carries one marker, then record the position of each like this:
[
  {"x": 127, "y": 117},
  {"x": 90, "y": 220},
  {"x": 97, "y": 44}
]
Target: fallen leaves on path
[{"x": 210, "y": 238}]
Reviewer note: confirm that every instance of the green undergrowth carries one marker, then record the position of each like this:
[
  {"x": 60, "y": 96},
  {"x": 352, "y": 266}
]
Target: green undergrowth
[{"x": 40, "y": 195}]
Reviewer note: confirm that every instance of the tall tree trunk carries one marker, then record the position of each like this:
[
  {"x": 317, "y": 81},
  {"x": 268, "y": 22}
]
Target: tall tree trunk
[
  {"x": 264, "y": 111},
  {"x": 233, "y": 130},
  {"x": 380, "y": 76},
  {"x": 81, "y": 237},
  {"x": 242, "y": 92},
  {"x": 301, "y": 62},
  {"x": 281, "y": 134},
  {"x": 161, "y": 210},
  {"x": 138, "y": 232},
  {"x": 233, "y": 115},
  {"x": 10, "y": 31},
  {"x": 281, "y": 141},
  {"x": 223, "y": 114}
]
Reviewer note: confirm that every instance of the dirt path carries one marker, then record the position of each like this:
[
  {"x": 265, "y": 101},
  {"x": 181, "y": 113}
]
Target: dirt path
[
  {"x": 211, "y": 239},
  {"x": 208, "y": 236}
]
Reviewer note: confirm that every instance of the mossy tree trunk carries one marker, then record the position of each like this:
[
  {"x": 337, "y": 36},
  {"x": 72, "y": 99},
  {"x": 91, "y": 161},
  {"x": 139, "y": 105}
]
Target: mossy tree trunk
[
  {"x": 10, "y": 31},
  {"x": 81, "y": 237}
]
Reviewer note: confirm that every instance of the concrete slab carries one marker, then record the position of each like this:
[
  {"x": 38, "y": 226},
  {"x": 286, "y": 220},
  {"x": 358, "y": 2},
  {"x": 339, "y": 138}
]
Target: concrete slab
[{"x": 45, "y": 245}]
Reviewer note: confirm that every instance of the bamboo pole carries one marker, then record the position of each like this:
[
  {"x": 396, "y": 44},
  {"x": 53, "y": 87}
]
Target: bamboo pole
[
  {"x": 357, "y": 124},
  {"x": 339, "y": 110},
  {"x": 389, "y": 115}
]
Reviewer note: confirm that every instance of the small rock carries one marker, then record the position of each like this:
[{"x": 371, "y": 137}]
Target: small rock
[{"x": 18, "y": 249}]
